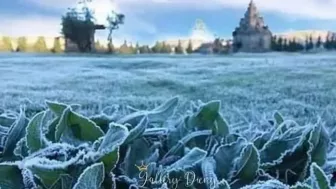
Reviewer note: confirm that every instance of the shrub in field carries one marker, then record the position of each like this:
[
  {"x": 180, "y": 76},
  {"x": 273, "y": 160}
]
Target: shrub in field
[
  {"x": 6, "y": 44},
  {"x": 40, "y": 45},
  {"x": 60, "y": 148},
  {"x": 22, "y": 45},
  {"x": 57, "y": 47}
]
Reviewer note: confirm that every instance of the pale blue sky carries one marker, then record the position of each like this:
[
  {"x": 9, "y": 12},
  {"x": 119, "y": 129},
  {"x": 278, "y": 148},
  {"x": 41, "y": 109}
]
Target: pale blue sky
[{"x": 149, "y": 20}]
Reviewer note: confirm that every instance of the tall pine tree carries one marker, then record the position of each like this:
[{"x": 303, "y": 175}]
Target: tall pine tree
[
  {"x": 311, "y": 43},
  {"x": 279, "y": 46},
  {"x": 306, "y": 44},
  {"x": 326, "y": 44},
  {"x": 319, "y": 42},
  {"x": 286, "y": 45},
  {"x": 333, "y": 42},
  {"x": 296, "y": 46},
  {"x": 137, "y": 48},
  {"x": 190, "y": 47},
  {"x": 299, "y": 46},
  {"x": 274, "y": 43},
  {"x": 111, "y": 48},
  {"x": 179, "y": 49},
  {"x": 157, "y": 48},
  {"x": 165, "y": 48}
]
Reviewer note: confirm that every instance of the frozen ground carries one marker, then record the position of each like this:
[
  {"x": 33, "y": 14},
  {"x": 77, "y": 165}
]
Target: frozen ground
[{"x": 249, "y": 86}]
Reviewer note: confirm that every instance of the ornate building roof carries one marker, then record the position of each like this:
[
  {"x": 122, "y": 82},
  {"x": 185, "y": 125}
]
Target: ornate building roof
[{"x": 251, "y": 22}]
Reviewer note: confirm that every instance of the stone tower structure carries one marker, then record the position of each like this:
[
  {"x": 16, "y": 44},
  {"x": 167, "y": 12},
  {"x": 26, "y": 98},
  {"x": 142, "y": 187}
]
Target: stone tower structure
[{"x": 252, "y": 35}]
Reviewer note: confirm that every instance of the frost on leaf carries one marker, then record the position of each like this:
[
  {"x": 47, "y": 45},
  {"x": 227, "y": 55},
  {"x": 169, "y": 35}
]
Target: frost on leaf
[
  {"x": 278, "y": 118},
  {"x": 261, "y": 140},
  {"x": 21, "y": 150},
  {"x": 137, "y": 131},
  {"x": 7, "y": 120},
  {"x": 208, "y": 117},
  {"x": 300, "y": 186},
  {"x": 28, "y": 179},
  {"x": 47, "y": 176},
  {"x": 34, "y": 137},
  {"x": 110, "y": 160},
  {"x": 195, "y": 156},
  {"x": 246, "y": 166},
  {"x": 103, "y": 121},
  {"x": 15, "y": 133},
  {"x": 158, "y": 114},
  {"x": 78, "y": 126},
  {"x": 98, "y": 153},
  {"x": 154, "y": 157},
  {"x": 114, "y": 137},
  {"x": 4, "y": 130},
  {"x": 92, "y": 177},
  {"x": 176, "y": 149},
  {"x": 56, "y": 107},
  {"x": 50, "y": 134},
  {"x": 279, "y": 146},
  {"x": 318, "y": 180},
  {"x": 270, "y": 184},
  {"x": 319, "y": 141},
  {"x": 136, "y": 154},
  {"x": 208, "y": 171},
  {"x": 226, "y": 156},
  {"x": 222, "y": 125}
]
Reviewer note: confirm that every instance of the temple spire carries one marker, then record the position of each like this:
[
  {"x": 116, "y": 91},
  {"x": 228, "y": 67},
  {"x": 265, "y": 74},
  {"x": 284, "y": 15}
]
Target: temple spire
[
  {"x": 251, "y": 3},
  {"x": 252, "y": 35},
  {"x": 251, "y": 16}
]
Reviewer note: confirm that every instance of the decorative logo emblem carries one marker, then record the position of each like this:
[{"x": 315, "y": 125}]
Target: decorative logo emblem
[{"x": 142, "y": 167}]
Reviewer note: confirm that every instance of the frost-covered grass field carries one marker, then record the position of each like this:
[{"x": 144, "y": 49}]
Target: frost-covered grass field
[
  {"x": 239, "y": 142},
  {"x": 249, "y": 86}
]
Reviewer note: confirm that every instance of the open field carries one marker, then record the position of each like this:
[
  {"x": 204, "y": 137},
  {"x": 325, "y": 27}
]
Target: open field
[
  {"x": 249, "y": 86},
  {"x": 240, "y": 146}
]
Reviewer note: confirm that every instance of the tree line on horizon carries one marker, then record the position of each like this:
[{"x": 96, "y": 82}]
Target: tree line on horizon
[
  {"x": 281, "y": 44},
  {"x": 157, "y": 48},
  {"x": 278, "y": 44},
  {"x": 39, "y": 46}
]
